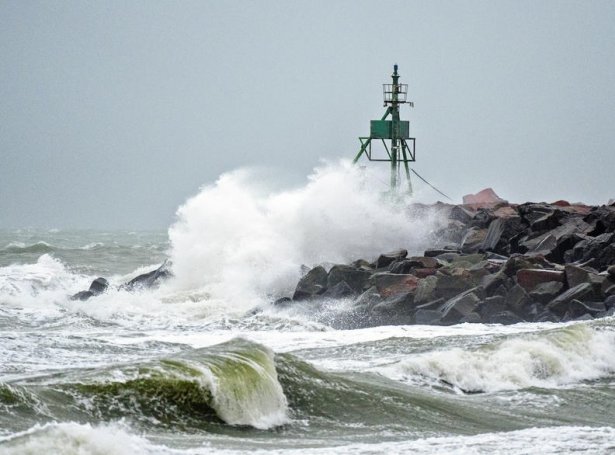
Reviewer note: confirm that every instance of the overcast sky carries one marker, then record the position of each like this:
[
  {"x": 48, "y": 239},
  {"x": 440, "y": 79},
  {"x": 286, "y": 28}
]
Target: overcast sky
[{"x": 112, "y": 113}]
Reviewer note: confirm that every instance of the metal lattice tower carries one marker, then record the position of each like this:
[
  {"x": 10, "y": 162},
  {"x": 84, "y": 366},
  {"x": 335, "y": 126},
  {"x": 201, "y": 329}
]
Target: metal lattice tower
[{"x": 401, "y": 148}]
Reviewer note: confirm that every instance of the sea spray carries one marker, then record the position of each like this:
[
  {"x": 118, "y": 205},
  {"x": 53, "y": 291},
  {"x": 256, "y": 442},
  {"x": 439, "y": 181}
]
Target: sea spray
[{"x": 239, "y": 240}]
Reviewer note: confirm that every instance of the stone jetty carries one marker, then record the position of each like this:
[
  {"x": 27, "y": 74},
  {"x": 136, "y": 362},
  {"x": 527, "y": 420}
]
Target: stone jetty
[{"x": 496, "y": 262}]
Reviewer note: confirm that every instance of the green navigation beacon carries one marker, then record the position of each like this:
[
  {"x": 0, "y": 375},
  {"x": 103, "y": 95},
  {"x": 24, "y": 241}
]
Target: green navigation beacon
[{"x": 401, "y": 146}]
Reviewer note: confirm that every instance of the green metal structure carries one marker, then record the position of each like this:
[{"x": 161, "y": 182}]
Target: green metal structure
[{"x": 401, "y": 148}]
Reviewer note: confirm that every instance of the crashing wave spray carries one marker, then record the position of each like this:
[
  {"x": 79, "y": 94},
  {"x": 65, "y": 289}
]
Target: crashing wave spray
[{"x": 239, "y": 240}]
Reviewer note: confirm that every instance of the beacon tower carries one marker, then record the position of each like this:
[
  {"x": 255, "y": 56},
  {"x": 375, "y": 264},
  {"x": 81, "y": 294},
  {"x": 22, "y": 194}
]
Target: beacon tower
[{"x": 394, "y": 134}]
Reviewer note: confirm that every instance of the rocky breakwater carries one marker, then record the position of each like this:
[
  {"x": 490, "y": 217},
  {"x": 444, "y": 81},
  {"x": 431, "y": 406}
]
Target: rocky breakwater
[{"x": 504, "y": 263}]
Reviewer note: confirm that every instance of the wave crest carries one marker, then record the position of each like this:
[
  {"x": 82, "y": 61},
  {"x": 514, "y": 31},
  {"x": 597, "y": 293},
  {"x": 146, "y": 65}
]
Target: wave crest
[{"x": 564, "y": 356}]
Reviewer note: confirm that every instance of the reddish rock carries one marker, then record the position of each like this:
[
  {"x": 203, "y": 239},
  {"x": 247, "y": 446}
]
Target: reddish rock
[
  {"x": 561, "y": 203},
  {"x": 484, "y": 198},
  {"x": 389, "y": 284},
  {"x": 425, "y": 272},
  {"x": 528, "y": 279},
  {"x": 581, "y": 209},
  {"x": 424, "y": 262}
]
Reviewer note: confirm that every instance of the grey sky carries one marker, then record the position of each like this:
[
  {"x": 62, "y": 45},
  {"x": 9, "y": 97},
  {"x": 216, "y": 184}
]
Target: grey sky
[{"x": 113, "y": 112}]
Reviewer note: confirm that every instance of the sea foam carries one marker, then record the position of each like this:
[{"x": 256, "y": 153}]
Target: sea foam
[{"x": 555, "y": 358}]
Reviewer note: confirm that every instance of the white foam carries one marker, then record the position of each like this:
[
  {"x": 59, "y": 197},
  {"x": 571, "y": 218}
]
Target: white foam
[
  {"x": 116, "y": 439},
  {"x": 36, "y": 287},
  {"x": 544, "y": 441},
  {"x": 550, "y": 359},
  {"x": 239, "y": 240},
  {"x": 69, "y": 438}
]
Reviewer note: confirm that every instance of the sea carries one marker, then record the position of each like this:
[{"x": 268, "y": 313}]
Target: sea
[{"x": 206, "y": 364}]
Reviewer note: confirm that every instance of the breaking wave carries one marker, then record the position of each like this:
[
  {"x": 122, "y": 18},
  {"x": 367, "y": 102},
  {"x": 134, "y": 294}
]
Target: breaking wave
[
  {"x": 240, "y": 240},
  {"x": 568, "y": 355},
  {"x": 234, "y": 382}
]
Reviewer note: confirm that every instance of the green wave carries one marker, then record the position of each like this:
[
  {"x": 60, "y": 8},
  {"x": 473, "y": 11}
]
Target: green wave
[{"x": 232, "y": 383}]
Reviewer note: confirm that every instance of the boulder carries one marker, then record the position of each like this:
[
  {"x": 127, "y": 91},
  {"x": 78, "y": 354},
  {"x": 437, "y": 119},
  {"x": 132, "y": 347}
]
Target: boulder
[
  {"x": 545, "y": 247},
  {"x": 541, "y": 217},
  {"x": 424, "y": 262},
  {"x": 389, "y": 284},
  {"x": 609, "y": 302},
  {"x": 425, "y": 290},
  {"x": 459, "y": 306},
  {"x": 403, "y": 267},
  {"x": 608, "y": 287},
  {"x": 517, "y": 299},
  {"x": 368, "y": 299},
  {"x": 518, "y": 262},
  {"x": 449, "y": 285},
  {"x": 339, "y": 290},
  {"x": 546, "y": 316},
  {"x": 466, "y": 261},
  {"x": 492, "y": 282},
  {"x": 491, "y": 306},
  {"x": 149, "y": 279},
  {"x": 502, "y": 233},
  {"x": 528, "y": 279},
  {"x": 579, "y": 308},
  {"x": 559, "y": 305},
  {"x": 97, "y": 287},
  {"x": 576, "y": 275},
  {"x": 399, "y": 308},
  {"x": 554, "y": 243},
  {"x": 384, "y": 260},
  {"x": 600, "y": 251},
  {"x": 460, "y": 213},
  {"x": 434, "y": 252},
  {"x": 427, "y": 317},
  {"x": 484, "y": 198},
  {"x": 547, "y": 221},
  {"x": 424, "y": 273},
  {"x": 532, "y": 311},
  {"x": 312, "y": 283},
  {"x": 355, "y": 278},
  {"x": 483, "y": 218},
  {"x": 545, "y": 292},
  {"x": 432, "y": 305},
  {"x": 603, "y": 220},
  {"x": 362, "y": 264},
  {"x": 473, "y": 239},
  {"x": 505, "y": 211},
  {"x": 409, "y": 265}
]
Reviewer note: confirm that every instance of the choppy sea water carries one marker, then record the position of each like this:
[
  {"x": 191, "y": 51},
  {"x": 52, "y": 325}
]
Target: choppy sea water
[{"x": 205, "y": 364}]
